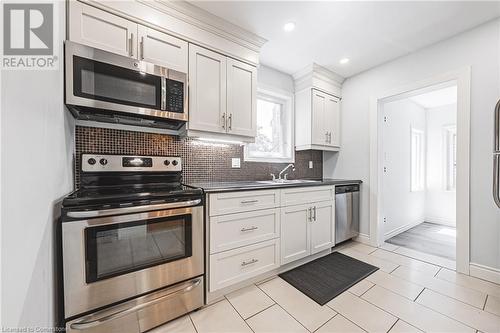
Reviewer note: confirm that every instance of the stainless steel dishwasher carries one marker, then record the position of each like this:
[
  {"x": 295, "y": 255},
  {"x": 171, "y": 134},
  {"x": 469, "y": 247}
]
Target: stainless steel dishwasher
[{"x": 346, "y": 212}]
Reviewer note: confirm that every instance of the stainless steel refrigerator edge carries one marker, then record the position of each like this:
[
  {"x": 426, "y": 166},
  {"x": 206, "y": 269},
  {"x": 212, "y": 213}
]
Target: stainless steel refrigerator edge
[{"x": 496, "y": 157}]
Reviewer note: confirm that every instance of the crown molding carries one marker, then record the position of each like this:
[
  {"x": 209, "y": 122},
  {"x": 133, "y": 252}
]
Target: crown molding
[
  {"x": 202, "y": 19},
  {"x": 318, "y": 77},
  {"x": 316, "y": 71}
]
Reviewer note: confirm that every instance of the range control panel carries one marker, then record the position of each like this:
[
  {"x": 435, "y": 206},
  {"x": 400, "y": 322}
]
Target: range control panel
[{"x": 109, "y": 163}]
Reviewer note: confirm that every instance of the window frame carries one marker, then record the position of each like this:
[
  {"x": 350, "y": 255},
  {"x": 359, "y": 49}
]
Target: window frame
[
  {"x": 422, "y": 152},
  {"x": 286, "y": 99}
]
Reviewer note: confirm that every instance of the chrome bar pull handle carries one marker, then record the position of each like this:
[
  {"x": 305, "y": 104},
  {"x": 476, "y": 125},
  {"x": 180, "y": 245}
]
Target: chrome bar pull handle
[
  {"x": 246, "y": 263},
  {"x": 230, "y": 122},
  {"x": 252, "y": 228},
  {"x": 131, "y": 45},
  {"x": 314, "y": 213},
  {"x": 141, "y": 48},
  {"x": 309, "y": 214},
  {"x": 496, "y": 179},
  {"x": 244, "y": 202}
]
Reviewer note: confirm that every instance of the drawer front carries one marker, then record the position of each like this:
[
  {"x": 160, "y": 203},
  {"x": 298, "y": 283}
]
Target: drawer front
[
  {"x": 237, "y": 202},
  {"x": 230, "y": 267},
  {"x": 301, "y": 195},
  {"x": 231, "y": 231}
]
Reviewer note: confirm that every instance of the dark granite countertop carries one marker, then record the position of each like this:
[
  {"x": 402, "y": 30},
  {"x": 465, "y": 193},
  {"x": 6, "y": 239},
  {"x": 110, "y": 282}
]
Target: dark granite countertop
[{"x": 212, "y": 187}]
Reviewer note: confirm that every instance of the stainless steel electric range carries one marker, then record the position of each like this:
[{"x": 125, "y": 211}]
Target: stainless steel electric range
[{"x": 132, "y": 245}]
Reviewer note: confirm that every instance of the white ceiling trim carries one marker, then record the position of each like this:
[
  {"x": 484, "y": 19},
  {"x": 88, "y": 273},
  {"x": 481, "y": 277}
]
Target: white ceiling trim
[{"x": 199, "y": 17}]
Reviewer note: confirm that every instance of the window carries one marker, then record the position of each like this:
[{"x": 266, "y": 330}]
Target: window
[
  {"x": 274, "y": 140},
  {"x": 451, "y": 157},
  {"x": 417, "y": 160}
]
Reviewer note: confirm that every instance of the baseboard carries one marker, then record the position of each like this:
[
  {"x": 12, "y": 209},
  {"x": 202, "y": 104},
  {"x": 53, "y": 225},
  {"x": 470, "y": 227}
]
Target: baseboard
[
  {"x": 440, "y": 220},
  {"x": 363, "y": 238},
  {"x": 484, "y": 272},
  {"x": 401, "y": 229}
]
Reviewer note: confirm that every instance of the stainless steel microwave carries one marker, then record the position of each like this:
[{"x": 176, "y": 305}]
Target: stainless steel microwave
[{"x": 106, "y": 87}]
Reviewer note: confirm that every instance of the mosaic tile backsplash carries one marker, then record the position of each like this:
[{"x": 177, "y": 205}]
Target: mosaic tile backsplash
[{"x": 202, "y": 161}]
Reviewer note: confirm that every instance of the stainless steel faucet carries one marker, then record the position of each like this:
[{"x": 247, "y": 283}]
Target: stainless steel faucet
[{"x": 291, "y": 165}]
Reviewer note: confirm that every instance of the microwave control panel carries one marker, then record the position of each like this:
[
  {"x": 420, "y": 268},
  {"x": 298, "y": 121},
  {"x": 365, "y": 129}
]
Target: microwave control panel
[{"x": 175, "y": 96}]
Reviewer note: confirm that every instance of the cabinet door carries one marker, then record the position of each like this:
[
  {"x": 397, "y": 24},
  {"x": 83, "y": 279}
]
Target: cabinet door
[
  {"x": 96, "y": 28},
  {"x": 322, "y": 226},
  {"x": 162, "y": 49},
  {"x": 332, "y": 120},
  {"x": 295, "y": 241},
  {"x": 241, "y": 98},
  {"x": 318, "y": 130},
  {"x": 207, "y": 94}
]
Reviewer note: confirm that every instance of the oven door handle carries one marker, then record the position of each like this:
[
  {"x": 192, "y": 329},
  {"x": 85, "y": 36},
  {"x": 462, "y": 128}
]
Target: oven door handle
[
  {"x": 85, "y": 324},
  {"x": 130, "y": 210}
]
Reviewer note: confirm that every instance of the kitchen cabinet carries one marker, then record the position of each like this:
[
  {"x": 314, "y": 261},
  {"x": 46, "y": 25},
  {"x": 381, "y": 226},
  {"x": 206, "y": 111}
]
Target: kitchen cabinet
[
  {"x": 317, "y": 121},
  {"x": 161, "y": 49},
  {"x": 257, "y": 231},
  {"x": 241, "y": 99},
  {"x": 102, "y": 30},
  {"x": 295, "y": 233},
  {"x": 306, "y": 230},
  {"x": 207, "y": 94},
  {"x": 222, "y": 97}
]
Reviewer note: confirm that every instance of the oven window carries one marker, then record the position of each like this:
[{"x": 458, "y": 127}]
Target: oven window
[
  {"x": 109, "y": 83},
  {"x": 118, "y": 249}
]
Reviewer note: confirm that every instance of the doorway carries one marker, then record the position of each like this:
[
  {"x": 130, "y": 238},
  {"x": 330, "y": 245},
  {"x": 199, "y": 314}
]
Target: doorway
[
  {"x": 419, "y": 156},
  {"x": 461, "y": 80}
]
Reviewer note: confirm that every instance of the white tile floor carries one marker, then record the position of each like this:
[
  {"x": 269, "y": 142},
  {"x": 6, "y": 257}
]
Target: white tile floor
[{"x": 405, "y": 295}]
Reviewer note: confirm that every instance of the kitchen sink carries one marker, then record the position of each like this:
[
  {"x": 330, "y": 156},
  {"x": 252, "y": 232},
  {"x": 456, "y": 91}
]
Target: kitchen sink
[{"x": 287, "y": 181}]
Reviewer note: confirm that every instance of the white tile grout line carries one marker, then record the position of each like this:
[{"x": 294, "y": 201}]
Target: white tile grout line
[
  {"x": 420, "y": 305},
  {"x": 227, "y": 300},
  {"x": 192, "y": 323},
  {"x": 420, "y": 293},
  {"x": 439, "y": 270},
  {"x": 289, "y": 312},
  {"x": 366, "y": 290},
  {"x": 390, "y": 328},
  {"x": 337, "y": 315},
  {"x": 485, "y": 301}
]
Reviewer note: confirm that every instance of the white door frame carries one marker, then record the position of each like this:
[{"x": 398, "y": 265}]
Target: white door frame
[{"x": 462, "y": 80}]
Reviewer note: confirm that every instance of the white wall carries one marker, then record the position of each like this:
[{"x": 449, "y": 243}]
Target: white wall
[
  {"x": 440, "y": 204},
  {"x": 37, "y": 149},
  {"x": 268, "y": 77},
  {"x": 478, "y": 48},
  {"x": 402, "y": 208}
]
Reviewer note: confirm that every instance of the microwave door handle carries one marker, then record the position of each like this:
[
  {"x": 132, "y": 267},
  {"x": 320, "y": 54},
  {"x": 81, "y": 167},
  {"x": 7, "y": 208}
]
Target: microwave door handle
[
  {"x": 163, "y": 105},
  {"x": 82, "y": 325}
]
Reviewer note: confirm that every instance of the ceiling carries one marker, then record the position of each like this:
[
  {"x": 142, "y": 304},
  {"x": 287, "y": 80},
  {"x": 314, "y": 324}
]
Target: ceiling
[
  {"x": 368, "y": 33},
  {"x": 436, "y": 98}
]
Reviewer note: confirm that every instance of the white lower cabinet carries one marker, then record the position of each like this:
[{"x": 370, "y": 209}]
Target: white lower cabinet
[
  {"x": 295, "y": 234},
  {"x": 254, "y": 232},
  {"x": 230, "y": 267},
  {"x": 306, "y": 229}
]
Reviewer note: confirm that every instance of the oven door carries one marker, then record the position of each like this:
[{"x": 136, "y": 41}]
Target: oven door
[
  {"x": 111, "y": 259},
  {"x": 102, "y": 80}
]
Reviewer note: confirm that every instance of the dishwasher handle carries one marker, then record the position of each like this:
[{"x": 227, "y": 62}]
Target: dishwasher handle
[{"x": 341, "y": 189}]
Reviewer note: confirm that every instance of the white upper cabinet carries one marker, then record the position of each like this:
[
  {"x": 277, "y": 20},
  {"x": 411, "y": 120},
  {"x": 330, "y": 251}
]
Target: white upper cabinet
[
  {"x": 161, "y": 49},
  {"x": 207, "y": 90},
  {"x": 222, "y": 96},
  {"x": 317, "y": 121},
  {"x": 96, "y": 28},
  {"x": 317, "y": 109},
  {"x": 102, "y": 30},
  {"x": 241, "y": 98}
]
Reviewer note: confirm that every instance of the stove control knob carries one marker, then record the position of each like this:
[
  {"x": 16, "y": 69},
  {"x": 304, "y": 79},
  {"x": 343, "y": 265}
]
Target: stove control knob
[
  {"x": 91, "y": 161},
  {"x": 103, "y": 161},
  {"x": 166, "y": 162},
  {"x": 174, "y": 162}
]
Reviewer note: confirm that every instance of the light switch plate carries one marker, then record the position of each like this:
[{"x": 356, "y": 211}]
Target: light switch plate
[
  {"x": 236, "y": 163},
  {"x": 310, "y": 164}
]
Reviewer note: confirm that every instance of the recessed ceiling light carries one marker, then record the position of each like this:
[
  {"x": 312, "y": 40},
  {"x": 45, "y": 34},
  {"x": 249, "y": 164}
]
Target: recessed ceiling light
[
  {"x": 290, "y": 26},
  {"x": 344, "y": 61}
]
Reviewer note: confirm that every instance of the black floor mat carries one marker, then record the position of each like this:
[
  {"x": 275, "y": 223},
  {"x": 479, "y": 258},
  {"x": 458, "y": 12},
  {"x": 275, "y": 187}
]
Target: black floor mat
[{"x": 327, "y": 277}]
